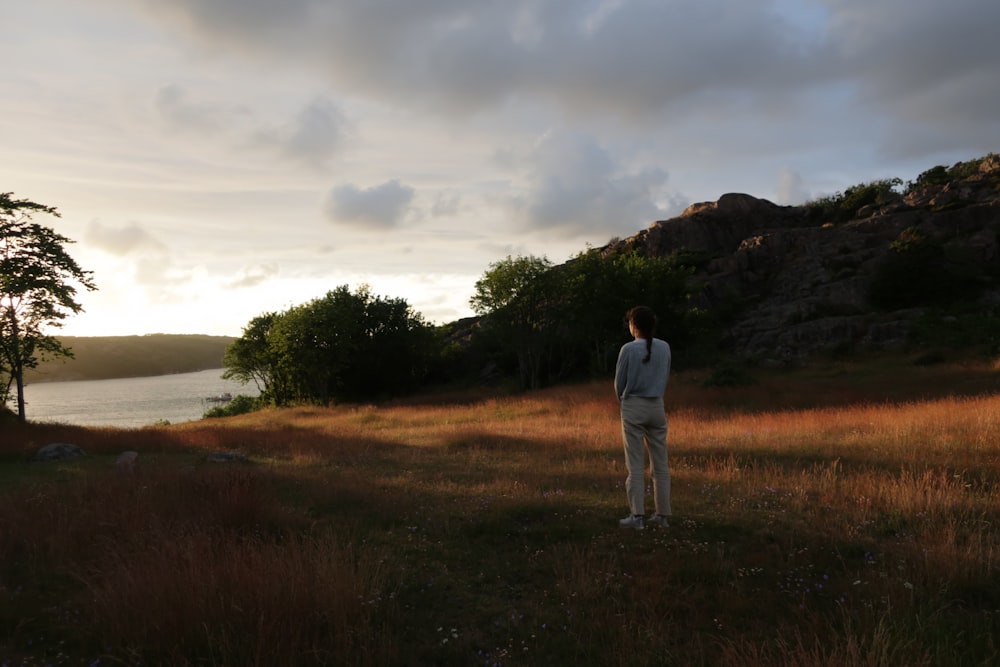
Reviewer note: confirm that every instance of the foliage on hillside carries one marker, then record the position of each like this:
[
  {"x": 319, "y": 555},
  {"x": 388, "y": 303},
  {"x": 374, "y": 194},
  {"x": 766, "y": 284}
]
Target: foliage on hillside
[
  {"x": 843, "y": 206},
  {"x": 105, "y": 357}
]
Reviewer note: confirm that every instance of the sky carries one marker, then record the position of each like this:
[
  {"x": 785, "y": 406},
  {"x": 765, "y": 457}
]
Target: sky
[{"x": 213, "y": 160}]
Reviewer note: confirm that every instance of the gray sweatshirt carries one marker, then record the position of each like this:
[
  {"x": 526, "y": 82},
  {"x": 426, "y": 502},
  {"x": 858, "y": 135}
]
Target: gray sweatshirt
[{"x": 634, "y": 378}]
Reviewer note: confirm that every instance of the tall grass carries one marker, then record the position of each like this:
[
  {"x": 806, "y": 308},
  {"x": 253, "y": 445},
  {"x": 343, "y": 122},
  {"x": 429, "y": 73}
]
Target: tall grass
[{"x": 821, "y": 518}]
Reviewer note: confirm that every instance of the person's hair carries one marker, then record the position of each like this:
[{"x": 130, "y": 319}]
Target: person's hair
[{"x": 644, "y": 320}]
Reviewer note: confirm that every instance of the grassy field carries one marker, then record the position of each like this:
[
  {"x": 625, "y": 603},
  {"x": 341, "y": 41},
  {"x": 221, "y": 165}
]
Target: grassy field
[{"x": 838, "y": 515}]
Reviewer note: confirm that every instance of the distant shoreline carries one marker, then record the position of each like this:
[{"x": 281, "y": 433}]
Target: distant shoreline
[
  {"x": 47, "y": 380},
  {"x": 116, "y": 357}
]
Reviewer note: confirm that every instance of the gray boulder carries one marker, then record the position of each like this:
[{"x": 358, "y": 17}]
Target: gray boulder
[{"x": 58, "y": 451}]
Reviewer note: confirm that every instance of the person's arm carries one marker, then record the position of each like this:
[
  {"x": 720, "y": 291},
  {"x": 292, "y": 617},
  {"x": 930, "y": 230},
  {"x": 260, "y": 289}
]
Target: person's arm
[{"x": 621, "y": 373}]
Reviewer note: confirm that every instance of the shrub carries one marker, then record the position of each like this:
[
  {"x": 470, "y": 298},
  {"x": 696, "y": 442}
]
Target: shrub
[
  {"x": 730, "y": 375},
  {"x": 917, "y": 271},
  {"x": 844, "y": 206},
  {"x": 240, "y": 405}
]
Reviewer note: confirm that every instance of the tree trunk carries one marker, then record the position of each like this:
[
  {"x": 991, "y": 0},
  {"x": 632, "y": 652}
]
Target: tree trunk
[
  {"x": 17, "y": 367},
  {"x": 19, "y": 378}
]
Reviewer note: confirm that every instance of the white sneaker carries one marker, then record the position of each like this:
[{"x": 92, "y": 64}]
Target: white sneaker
[
  {"x": 660, "y": 520},
  {"x": 633, "y": 521}
]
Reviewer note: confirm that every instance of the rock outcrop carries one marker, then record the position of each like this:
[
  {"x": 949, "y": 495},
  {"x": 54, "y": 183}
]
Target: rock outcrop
[{"x": 803, "y": 283}]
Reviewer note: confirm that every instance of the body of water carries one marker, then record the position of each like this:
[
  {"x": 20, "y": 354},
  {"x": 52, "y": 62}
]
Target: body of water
[{"x": 129, "y": 402}]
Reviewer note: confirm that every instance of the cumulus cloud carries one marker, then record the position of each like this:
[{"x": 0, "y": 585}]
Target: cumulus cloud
[
  {"x": 378, "y": 207},
  {"x": 576, "y": 186},
  {"x": 125, "y": 240},
  {"x": 148, "y": 258},
  {"x": 312, "y": 137}
]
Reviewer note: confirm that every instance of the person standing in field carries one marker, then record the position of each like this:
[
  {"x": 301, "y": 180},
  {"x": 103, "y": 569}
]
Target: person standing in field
[{"x": 641, "y": 376}]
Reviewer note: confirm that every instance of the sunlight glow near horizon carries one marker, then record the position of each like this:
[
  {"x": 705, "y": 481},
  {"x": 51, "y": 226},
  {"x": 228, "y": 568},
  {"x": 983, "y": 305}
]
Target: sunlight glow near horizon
[{"x": 440, "y": 299}]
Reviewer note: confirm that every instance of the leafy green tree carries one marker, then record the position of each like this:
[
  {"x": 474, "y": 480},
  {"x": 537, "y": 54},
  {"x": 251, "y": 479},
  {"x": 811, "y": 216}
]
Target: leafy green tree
[
  {"x": 396, "y": 348},
  {"x": 38, "y": 287},
  {"x": 600, "y": 289},
  {"x": 597, "y": 297},
  {"x": 249, "y": 358},
  {"x": 568, "y": 320},
  {"x": 342, "y": 346},
  {"x": 315, "y": 343},
  {"x": 516, "y": 295}
]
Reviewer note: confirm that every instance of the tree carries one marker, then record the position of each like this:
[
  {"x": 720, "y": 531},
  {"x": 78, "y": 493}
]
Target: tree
[
  {"x": 599, "y": 289},
  {"x": 558, "y": 322},
  {"x": 38, "y": 287},
  {"x": 249, "y": 358},
  {"x": 516, "y": 293},
  {"x": 342, "y": 346}
]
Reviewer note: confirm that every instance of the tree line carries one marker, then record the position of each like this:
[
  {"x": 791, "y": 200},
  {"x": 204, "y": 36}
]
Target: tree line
[{"x": 536, "y": 323}]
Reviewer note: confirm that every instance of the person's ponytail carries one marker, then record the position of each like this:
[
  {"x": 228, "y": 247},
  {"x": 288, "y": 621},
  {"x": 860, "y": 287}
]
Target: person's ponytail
[{"x": 644, "y": 321}]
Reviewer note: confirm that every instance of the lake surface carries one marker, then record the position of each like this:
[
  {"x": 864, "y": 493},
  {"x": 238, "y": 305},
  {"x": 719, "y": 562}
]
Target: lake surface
[{"x": 129, "y": 402}]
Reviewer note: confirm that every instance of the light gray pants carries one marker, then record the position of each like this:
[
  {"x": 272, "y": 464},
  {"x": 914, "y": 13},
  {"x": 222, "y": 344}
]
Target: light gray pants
[{"x": 644, "y": 428}]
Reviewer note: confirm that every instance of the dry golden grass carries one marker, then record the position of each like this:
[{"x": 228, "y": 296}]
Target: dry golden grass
[{"x": 826, "y": 517}]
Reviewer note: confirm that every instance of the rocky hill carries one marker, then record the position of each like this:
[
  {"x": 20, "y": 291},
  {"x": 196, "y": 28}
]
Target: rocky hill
[{"x": 806, "y": 279}]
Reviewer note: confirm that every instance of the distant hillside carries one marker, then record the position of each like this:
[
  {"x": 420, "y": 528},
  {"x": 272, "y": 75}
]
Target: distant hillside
[{"x": 105, "y": 357}]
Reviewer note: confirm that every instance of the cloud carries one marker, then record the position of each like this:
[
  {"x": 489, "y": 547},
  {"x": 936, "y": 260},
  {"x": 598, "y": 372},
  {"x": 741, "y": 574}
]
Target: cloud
[
  {"x": 634, "y": 58},
  {"x": 125, "y": 240},
  {"x": 928, "y": 66},
  {"x": 252, "y": 276},
  {"x": 628, "y": 58},
  {"x": 313, "y": 137},
  {"x": 146, "y": 256},
  {"x": 576, "y": 186},
  {"x": 180, "y": 113},
  {"x": 914, "y": 60},
  {"x": 446, "y": 206},
  {"x": 381, "y": 207},
  {"x": 155, "y": 272},
  {"x": 790, "y": 190}
]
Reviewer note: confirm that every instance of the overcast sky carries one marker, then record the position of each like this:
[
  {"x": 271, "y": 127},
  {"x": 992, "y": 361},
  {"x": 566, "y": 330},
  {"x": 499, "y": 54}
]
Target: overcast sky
[{"x": 217, "y": 159}]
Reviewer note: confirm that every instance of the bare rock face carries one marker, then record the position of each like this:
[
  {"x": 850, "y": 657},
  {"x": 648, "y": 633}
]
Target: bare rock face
[{"x": 804, "y": 284}]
